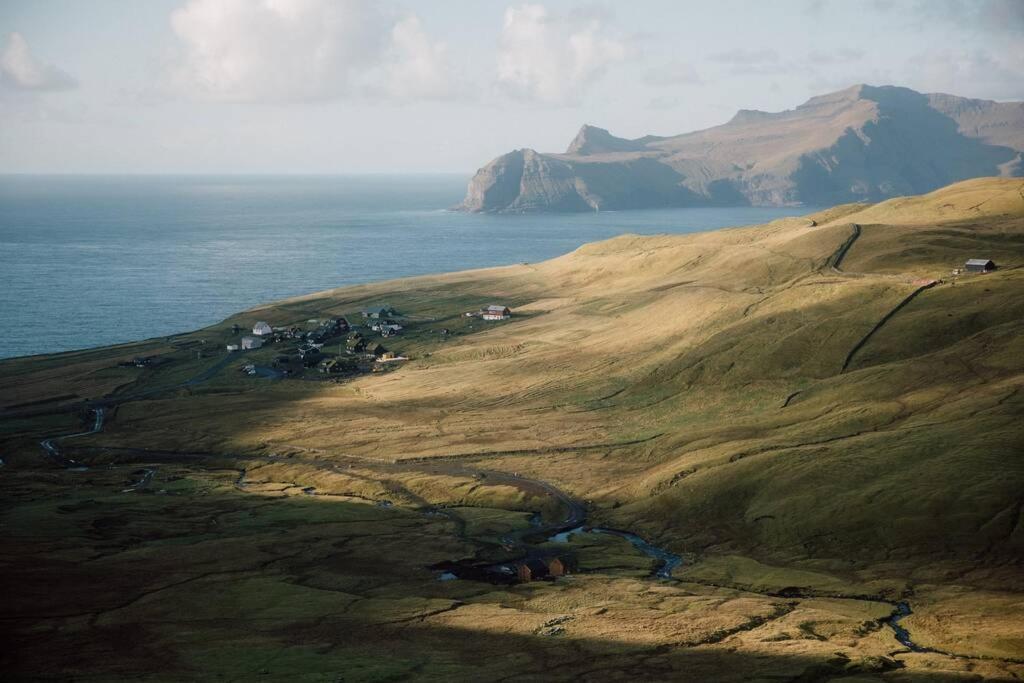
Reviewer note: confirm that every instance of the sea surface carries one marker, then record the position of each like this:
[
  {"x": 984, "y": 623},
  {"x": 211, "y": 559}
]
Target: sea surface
[{"x": 94, "y": 260}]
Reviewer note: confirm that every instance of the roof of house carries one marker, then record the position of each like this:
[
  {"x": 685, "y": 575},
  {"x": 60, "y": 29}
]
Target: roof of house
[
  {"x": 978, "y": 261},
  {"x": 493, "y": 307},
  {"x": 534, "y": 565}
]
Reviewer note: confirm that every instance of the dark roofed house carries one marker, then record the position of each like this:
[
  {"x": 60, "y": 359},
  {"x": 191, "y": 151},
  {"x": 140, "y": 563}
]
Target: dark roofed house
[
  {"x": 496, "y": 313},
  {"x": 375, "y": 349},
  {"x": 379, "y": 311},
  {"x": 979, "y": 265},
  {"x": 355, "y": 342},
  {"x": 531, "y": 570}
]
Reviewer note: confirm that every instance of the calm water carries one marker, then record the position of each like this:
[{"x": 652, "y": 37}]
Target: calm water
[{"x": 89, "y": 261}]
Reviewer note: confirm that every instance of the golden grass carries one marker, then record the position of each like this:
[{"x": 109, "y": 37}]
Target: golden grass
[{"x": 729, "y": 394}]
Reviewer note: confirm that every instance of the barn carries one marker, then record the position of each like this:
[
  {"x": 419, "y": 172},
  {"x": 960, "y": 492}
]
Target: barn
[{"x": 979, "y": 265}]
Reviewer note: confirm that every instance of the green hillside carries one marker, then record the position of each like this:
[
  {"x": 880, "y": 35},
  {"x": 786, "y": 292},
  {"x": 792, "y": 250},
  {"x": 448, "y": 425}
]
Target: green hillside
[{"x": 819, "y": 415}]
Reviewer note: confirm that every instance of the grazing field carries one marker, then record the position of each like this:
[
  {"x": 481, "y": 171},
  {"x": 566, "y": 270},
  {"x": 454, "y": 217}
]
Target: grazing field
[{"x": 817, "y": 414}]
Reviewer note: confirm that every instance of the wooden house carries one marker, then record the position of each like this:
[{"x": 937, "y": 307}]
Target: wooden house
[
  {"x": 262, "y": 329},
  {"x": 531, "y": 570},
  {"x": 251, "y": 342},
  {"x": 494, "y": 312}
]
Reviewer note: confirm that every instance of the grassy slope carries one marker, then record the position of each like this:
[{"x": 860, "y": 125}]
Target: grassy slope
[{"x": 903, "y": 469}]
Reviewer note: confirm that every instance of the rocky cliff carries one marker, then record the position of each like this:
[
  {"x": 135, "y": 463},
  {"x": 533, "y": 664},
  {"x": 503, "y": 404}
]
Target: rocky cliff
[{"x": 863, "y": 143}]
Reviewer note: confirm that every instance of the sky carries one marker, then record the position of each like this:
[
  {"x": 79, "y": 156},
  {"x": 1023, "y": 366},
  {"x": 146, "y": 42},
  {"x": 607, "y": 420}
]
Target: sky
[{"x": 364, "y": 86}]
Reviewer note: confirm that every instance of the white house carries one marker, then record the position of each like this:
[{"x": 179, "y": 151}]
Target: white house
[
  {"x": 232, "y": 347},
  {"x": 262, "y": 329},
  {"x": 496, "y": 313},
  {"x": 251, "y": 342}
]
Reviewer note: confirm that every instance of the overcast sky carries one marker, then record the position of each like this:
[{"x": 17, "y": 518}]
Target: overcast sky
[{"x": 350, "y": 86}]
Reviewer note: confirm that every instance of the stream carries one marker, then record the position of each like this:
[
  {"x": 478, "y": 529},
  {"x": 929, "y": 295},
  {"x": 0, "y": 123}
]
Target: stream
[{"x": 558, "y": 532}]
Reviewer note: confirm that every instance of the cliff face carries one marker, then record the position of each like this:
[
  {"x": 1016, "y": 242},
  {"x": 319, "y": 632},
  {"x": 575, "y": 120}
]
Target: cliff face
[{"x": 862, "y": 143}]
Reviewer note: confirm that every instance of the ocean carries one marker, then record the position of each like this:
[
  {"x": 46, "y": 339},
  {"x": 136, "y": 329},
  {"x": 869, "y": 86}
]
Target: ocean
[{"x": 93, "y": 260}]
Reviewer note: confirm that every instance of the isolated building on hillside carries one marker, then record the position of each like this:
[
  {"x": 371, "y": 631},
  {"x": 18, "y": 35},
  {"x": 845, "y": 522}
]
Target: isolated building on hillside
[
  {"x": 251, "y": 342},
  {"x": 496, "y": 313},
  {"x": 232, "y": 347},
  {"x": 262, "y": 329},
  {"x": 979, "y": 265}
]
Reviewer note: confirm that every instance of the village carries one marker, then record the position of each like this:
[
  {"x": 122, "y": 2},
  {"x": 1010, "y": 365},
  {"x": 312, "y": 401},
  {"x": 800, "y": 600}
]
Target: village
[{"x": 332, "y": 349}]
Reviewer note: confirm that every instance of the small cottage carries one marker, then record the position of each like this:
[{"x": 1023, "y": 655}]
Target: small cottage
[
  {"x": 979, "y": 265},
  {"x": 251, "y": 342},
  {"x": 232, "y": 348},
  {"x": 496, "y": 313},
  {"x": 531, "y": 570},
  {"x": 375, "y": 349},
  {"x": 262, "y": 329}
]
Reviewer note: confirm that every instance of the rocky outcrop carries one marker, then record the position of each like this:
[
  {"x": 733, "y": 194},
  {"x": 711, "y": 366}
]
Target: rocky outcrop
[{"x": 863, "y": 143}]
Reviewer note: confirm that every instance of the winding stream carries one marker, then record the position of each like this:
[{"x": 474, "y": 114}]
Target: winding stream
[{"x": 557, "y": 532}]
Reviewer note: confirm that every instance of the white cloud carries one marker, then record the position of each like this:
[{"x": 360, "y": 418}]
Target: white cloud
[
  {"x": 745, "y": 56},
  {"x": 551, "y": 58},
  {"x": 20, "y": 70},
  {"x": 303, "y": 50},
  {"x": 970, "y": 72},
  {"x": 416, "y": 67}
]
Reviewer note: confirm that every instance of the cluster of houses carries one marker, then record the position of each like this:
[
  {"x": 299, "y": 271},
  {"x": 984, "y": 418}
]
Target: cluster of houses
[
  {"x": 263, "y": 333},
  {"x": 360, "y": 353},
  {"x": 492, "y": 312}
]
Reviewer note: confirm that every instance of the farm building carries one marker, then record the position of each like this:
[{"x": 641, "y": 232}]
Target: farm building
[
  {"x": 496, "y": 313},
  {"x": 232, "y": 347},
  {"x": 531, "y": 570},
  {"x": 979, "y": 265},
  {"x": 375, "y": 349},
  {"x": 262, "y": 329}
]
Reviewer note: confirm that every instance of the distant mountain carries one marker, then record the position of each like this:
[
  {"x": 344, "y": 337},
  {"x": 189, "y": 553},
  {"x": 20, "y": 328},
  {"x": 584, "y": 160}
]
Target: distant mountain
[{"x": 863, "y": 143}]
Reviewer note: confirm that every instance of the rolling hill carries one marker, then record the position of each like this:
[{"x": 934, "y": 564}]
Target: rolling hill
[{"x": 820, "y": 415}]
